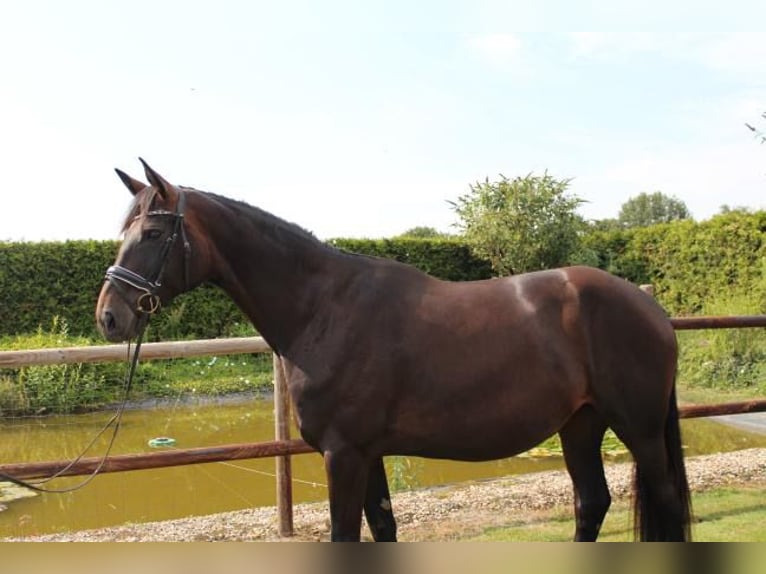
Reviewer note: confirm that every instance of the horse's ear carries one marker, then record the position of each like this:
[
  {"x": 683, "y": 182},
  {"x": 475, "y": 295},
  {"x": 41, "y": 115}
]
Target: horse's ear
[
  {"x": 164, "y": 187},
  {"x": 133, "y": 185}
]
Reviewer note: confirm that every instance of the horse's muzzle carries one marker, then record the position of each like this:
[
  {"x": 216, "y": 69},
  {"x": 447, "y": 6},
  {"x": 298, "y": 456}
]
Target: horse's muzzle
[
  {"x": 107, "y": 324},
  {"x": 114, "y": 327}
]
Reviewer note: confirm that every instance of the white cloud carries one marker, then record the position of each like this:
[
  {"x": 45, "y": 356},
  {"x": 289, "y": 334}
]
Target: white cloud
[
  {"x": 613, "y": 44},
  {"x": 741, "y": 54},
  {"x": 497, "y": 48}
]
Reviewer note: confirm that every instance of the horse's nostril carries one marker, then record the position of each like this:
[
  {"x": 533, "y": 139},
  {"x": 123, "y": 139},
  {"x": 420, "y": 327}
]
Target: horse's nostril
[{"x": 108, "y": 321}]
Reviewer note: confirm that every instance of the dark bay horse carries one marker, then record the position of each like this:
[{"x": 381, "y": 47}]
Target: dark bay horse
[{"x": 382, "y": 359}]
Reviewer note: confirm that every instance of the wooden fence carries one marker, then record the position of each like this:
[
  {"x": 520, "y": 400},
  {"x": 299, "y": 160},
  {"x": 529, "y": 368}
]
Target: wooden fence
[{"x": 283, "y": 446}]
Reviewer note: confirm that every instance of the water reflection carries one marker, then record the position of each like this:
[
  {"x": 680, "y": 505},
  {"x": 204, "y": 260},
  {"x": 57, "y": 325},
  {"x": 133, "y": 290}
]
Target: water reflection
[{"x": 160, "y": 494}]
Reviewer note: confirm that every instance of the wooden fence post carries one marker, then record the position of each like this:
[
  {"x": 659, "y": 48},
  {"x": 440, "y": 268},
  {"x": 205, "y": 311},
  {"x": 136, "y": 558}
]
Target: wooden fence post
[{"x": 283, "y": 463}]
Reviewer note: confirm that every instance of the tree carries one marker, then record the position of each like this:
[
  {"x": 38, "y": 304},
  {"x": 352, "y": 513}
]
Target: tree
[
  {"x": 649, "y": 208},
  {"x": 422, "y": 232},
  {"x": 725, "y": 209},
  {"x": 608, "y": 224},
  {"x": 521, "y": 225}
]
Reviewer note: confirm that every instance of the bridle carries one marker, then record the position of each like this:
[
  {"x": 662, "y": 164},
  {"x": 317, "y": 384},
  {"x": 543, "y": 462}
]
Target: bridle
[
  {"x": 146, "y": 305},
  {"x": 148, "y": 301}
]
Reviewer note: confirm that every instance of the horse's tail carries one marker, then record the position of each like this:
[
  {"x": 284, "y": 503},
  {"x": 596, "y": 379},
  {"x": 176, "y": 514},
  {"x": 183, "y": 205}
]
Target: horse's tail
[{"x": 655, "y": 519}]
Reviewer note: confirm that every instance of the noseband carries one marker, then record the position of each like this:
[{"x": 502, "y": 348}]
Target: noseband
[{"x": 148, "y": 301}]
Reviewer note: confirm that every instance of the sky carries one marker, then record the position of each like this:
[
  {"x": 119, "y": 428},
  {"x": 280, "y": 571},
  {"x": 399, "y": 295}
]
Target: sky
[{"x": 366, "y": 118}]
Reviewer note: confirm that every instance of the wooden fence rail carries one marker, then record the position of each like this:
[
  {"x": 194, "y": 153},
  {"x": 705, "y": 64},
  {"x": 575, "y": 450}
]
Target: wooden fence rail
[
  {"x": 276, "y": 448},
  {"x": 283, "y": 447},
  {"x": 180, "y": 349},
  {"x": 107, "y": 353},
  {"x": 722, "y": 322},
  {"x": 165, "y": 458}
]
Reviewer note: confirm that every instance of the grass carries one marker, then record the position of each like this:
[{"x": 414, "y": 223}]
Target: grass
[
  {"x": 727, "y": 364},
  {"x": 707, "y": 395},
  {"x": 61, "y": 389},
  {"x": 721, "y": 515},
  {"x": 207, "y": 375}
]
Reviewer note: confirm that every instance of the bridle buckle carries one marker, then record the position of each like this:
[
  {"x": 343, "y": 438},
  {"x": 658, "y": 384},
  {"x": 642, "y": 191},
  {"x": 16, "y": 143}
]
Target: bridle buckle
[{"x": 148, "y": 303}]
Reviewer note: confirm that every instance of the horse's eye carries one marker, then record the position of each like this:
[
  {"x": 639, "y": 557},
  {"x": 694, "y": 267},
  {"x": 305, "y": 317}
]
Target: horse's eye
[{"x": 152, "y": 234}]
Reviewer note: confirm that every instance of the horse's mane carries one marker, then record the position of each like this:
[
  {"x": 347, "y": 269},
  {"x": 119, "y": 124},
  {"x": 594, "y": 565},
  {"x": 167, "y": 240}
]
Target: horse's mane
[
  {"x": 287, "y": 229},
  {"x": 143, "y": 204},
  {"x": 257, "y": 214}
]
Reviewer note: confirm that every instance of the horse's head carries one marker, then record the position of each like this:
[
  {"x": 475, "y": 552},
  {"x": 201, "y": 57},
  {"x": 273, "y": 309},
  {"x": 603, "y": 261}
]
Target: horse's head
[{"x": 154, "y": 263}]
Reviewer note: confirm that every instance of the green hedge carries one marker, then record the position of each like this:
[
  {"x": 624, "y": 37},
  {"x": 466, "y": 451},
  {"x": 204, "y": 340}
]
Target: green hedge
[
  {"x": 690, "y": 262},
  {"x": 449, "y": 259},
  {"x": 696, "y": 262},
  {"x": 713, "y": 267},
  {"x": 41, "y": 280}
]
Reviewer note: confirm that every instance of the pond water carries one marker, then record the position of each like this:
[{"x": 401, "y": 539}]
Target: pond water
[{"x": 148, "y": 495}]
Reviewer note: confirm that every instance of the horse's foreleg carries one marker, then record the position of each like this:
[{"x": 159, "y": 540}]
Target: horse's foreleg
[
  {"x": 581, "y": 439},
  {"x": 347, "y": 473},
  {"x": 377, "y": 504}
]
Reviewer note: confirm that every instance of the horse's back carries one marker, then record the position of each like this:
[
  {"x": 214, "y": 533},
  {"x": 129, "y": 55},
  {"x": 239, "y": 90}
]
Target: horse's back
[{"x": 610, "y": 303}]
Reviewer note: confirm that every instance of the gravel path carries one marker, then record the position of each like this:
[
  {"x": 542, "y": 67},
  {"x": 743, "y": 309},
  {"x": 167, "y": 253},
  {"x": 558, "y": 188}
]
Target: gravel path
[{"x": 428, "y": 513}]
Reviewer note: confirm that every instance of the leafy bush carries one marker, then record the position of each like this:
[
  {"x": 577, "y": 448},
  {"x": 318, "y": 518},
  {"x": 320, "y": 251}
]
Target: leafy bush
[
  {"x": 61, "y": 388},
  {"x": 727, "y": 358},
  {"x": 521, "y": 224}
]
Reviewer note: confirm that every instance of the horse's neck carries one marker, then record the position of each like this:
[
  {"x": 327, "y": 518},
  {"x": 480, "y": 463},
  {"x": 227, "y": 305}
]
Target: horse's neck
[{"x": 277, "y": 275}]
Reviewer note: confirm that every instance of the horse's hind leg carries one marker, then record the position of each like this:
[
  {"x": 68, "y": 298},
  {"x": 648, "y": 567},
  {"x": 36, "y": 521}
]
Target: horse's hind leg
[
  {"x": 581, "y": 439},
  {"x": 377, "y": 504}
]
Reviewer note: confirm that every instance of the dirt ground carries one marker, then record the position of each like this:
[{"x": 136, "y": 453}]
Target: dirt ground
[{"x": 433, "y": 514}]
